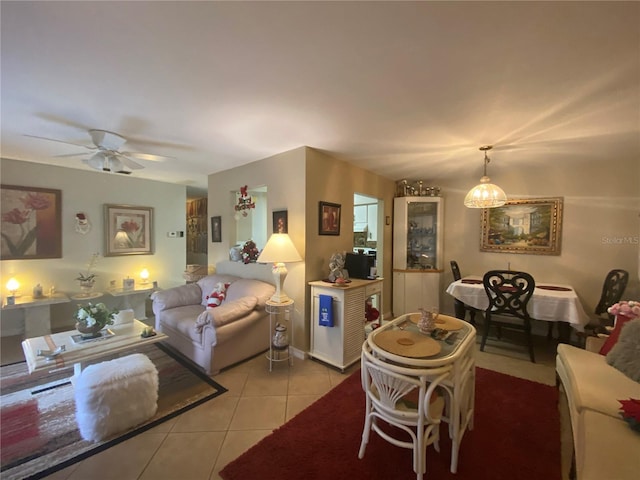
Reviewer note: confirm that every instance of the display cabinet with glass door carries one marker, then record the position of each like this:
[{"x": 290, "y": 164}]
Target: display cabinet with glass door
[{"x": 417, "y": 253}]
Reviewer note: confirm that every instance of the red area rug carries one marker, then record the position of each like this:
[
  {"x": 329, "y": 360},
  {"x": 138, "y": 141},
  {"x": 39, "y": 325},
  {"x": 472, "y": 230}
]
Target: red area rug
[{"x": 516, "y": 436}]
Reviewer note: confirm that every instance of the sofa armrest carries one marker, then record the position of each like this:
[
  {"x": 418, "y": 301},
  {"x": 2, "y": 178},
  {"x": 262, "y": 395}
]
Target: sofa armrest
[
  {"x": 594, "y": 344},
  {"x": 190, "y": 294}
]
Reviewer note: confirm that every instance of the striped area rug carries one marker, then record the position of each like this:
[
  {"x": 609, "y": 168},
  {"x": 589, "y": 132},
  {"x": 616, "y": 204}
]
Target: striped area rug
[{"x": 38, "y": 431}]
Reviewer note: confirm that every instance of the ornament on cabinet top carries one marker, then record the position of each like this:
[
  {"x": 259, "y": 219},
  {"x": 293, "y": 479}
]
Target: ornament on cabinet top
[{"x": 418, "y": 189}]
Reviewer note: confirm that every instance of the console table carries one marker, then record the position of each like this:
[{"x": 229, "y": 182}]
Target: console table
[
  {"x": 37, "y": 314},
  {"x": 138, "y": 309}
]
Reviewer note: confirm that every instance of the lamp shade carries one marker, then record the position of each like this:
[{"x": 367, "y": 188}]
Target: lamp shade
[
  {"x": 13, "y": 285},
  {"x": 279, "y": 249},
  {"x": 485, "y": 195}
]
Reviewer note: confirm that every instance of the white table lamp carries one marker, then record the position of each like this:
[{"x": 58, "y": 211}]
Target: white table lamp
[
  {"x": 144, "y": 275},
  {"x": 279, "y": 250},
  {"x": 13, "y": 286}
]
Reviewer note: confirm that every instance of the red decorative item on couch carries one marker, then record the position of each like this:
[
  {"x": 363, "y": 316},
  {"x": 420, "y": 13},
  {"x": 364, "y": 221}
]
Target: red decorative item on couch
[
  {"x": 630, "y": 411},
  {"x": 621, "y": 320},
  {"x": 217, "y": 296}
]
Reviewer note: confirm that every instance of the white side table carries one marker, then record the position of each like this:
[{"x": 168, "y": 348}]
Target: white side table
[
  {"x": 37, "y": 314},
  {"x": 279, "y": 313}
]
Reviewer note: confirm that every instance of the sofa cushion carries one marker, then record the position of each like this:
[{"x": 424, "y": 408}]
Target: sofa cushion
[
  {"x": 226, "y": 313},
  {"x": 610, "y": 449},
  {"x": 594, "y": 384},
  {"x": 621, "y": 321},
  {"x": 625, "y": 354},
  {"x": 208, "y": 284},
  {"x": 176, "y": 297},
  {"x": 183, "y": 320},
  {"x": 250, "y": 287}
]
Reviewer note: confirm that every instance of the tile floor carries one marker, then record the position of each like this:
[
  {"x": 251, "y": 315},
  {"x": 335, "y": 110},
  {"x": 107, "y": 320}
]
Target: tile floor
[{"x": 257, "y": 402}]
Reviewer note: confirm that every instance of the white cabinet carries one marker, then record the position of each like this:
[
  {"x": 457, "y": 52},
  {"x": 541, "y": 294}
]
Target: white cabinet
[
  {"x": 417, "y": 253},
  {"x": 372, "y": 222},
  {"x": 341, "y": 344},
  {"x": 365, "y": 218},
  {"x": 414, "y": 290}
]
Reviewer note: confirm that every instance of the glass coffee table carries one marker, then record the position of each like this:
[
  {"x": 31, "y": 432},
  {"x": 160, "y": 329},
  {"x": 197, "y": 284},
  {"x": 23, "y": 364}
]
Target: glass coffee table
[{"x": 73, "y": 352}]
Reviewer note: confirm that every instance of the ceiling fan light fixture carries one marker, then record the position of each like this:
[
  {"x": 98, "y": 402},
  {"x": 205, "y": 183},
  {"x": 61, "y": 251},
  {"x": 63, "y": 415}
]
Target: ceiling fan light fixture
[
  {"x": 115, "y": 165},
  {"x": 485, "y": 194},
  {"x": 96, "y": 161}
]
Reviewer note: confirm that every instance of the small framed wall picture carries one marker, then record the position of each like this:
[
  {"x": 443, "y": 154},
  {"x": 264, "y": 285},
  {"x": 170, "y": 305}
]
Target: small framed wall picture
[
  {"x": 280, "y": 222},
  {"x": 329, "y": 218},
  {"x": 216, "y": 229}
]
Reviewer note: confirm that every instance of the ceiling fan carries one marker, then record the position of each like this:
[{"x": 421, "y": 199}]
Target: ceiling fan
[{"x": 107, "y": 156}]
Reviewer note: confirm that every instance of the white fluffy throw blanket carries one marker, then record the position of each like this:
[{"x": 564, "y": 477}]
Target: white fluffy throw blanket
[{"x": 116, "y": 395}]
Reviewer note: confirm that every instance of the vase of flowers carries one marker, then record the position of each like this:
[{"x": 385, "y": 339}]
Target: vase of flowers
[
  {"x": 629, "y": 309},
  {"x": 90, "y": 319},
  {"x": 88, "y": 280},
  {"x": 250, "y": 252}
]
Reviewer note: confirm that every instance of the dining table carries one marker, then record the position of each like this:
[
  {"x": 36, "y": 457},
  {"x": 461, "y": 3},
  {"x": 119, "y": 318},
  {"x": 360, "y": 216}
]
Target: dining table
[
  {"x": 451, "y": 344},
  {"x": 550, "y": 302}
]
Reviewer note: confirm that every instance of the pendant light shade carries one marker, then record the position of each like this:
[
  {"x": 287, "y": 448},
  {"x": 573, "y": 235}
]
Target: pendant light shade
[{"x": 485, "y": 194}]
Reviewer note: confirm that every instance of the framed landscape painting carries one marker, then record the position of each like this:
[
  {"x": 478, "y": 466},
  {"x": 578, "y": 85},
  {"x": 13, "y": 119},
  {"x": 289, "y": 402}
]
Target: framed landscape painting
[
  {"x": 31, "y": 223},
  {"x": 128, "y": 230},
  {"x": 532, "y": 226}
]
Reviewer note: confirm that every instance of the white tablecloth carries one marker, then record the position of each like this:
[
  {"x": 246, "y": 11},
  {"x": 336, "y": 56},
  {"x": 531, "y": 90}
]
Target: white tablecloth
[{"x": 548, "y": 305}]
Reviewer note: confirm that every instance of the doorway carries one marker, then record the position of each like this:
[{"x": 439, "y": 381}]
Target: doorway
[{"x": 368, "y": 231}]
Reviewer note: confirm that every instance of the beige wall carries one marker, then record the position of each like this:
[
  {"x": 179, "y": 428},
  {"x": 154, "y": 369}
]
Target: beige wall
[
  {"x": 296, "y": 181},
  {"x": 283, "y": 175},
  {"x": 87, "y": 191},
  {"x": 335, "y": 181},
  {"x": 601, "y": 207}
]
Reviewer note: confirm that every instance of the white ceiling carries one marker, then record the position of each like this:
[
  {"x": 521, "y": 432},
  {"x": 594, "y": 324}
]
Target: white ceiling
[{"x": 407, "y": 90}]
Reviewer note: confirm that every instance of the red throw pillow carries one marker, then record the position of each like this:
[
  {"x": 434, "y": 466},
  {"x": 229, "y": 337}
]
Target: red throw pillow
[{"x": 613, "y": 338}]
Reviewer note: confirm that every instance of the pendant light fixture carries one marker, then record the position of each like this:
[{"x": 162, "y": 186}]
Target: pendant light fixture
[{"x": 485, "y": 194}]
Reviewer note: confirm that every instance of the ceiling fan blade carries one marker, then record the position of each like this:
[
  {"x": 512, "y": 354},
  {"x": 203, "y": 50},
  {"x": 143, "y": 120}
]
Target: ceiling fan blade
[
  {"x": 128, "y": 161},
  {"x": 146, "y": 156},
  {"x": 88, "y": 147},
  {"x": 70, "y": 155},
  {"x": 106, "y": 139}
]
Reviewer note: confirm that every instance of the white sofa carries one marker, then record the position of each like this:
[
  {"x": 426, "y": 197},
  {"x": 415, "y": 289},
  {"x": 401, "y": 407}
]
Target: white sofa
[
  {"x": 222, "y": 336},
  {"x": 605, "y": 447}
]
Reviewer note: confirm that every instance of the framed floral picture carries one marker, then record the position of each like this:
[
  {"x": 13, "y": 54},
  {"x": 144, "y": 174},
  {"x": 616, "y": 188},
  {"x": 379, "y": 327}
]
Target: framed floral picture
[
  {"x": 280, "y": 222},
  {"x": 128, "y": 230},
  {"x": 532, "y": 226},
  {"x": 31, "y": 223},
  {"x": 329, "y": 218}
]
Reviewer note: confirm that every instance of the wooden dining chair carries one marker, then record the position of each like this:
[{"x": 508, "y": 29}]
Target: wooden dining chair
[
  {"x": 509, "y": 293},
  {"x": 613, "y": 288},
  {"x": 407, "y": 398},
  {"x": 460, "y": 307}
]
